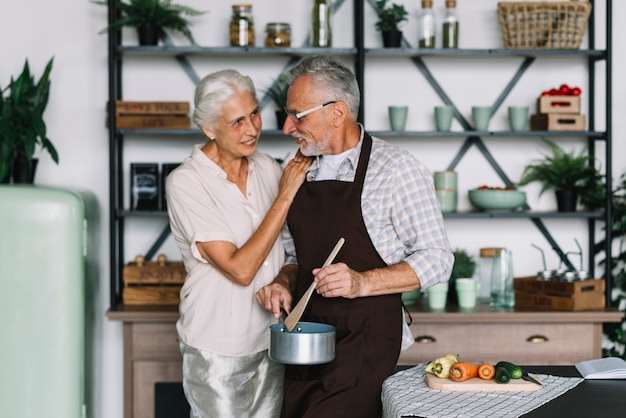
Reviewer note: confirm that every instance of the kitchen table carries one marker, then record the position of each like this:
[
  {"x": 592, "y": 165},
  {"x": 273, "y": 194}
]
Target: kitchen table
[{"x": 589, "y": 398}]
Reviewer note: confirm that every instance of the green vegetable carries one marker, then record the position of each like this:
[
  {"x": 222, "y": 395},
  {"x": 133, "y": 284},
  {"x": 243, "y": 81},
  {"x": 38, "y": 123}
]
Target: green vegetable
[
  {"x": 514, "y": 370},
  {"x": 502, "y": 375}
]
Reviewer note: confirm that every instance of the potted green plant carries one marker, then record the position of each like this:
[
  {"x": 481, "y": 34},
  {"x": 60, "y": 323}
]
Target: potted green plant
[
  {"x": 390, "y": 18},
  {"x": 572, "y": 176},
  {"x": 278, "y": 93},
  {"x": 464, "y": 267},
  {"x": 22, "y": 126},
  {"x": 151, "y": 18}
]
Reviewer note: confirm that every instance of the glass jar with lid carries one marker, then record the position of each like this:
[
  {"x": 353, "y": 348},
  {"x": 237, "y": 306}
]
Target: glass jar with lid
[
  {"x": 277, "y": 34},
  {"x": 242, "y": 25},
  {"x": 321, "y": 29},
  {"x": 426, "y": 35},
  {"x": 451, "y": 26}
]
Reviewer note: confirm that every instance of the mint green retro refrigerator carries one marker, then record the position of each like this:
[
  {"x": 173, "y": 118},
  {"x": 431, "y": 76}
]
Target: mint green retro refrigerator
[{"x": 42, "y": 288}]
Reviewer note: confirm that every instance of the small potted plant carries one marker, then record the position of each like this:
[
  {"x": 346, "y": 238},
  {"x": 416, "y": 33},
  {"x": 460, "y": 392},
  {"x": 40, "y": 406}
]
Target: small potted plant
[
  {"x": 464, "y": 267},
  {"x": 22, "y": 126},
  {"x": 278, "y": 93},
  {"x": 151, "y": 18},
  {"x": 571, "y": 175},
  {"x": 390, "y": 18}
]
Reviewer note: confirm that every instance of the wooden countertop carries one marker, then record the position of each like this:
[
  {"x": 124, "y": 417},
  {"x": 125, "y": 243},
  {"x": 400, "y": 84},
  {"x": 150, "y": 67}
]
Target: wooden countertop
[
  {"x": 419, "y": 312},
  {"x": 484, "y": 313},
  {"x": 143, "y": 313}
]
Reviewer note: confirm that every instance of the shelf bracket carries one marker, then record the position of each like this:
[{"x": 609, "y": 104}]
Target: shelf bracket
[
  {"x": 428, "y": 75},
  {"x": 477, "y": 141},
  {"x": 159, "y": 242},
  {"x": 182, "y": 60},
  {"x": 562, "y": 256},
  {"x": 516, "y": 77}
]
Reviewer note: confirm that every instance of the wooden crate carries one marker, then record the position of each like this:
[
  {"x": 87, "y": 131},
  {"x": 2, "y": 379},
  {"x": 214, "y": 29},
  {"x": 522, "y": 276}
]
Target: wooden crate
[
  {"x": 552, "y": 295},
  {"x": 557, "y": 122},
  {"x": 558, "y": 104},
  {"x": 151, "y": 122},
  {"x": 153, "y": 283},
  {"x": 123, "y": 108}
]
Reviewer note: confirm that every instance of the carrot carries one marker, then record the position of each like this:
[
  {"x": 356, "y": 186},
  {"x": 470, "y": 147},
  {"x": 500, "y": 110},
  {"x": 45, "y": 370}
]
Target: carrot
[
  {"x": 486, "y": 371},
  {"x": 462, "y": 371}
]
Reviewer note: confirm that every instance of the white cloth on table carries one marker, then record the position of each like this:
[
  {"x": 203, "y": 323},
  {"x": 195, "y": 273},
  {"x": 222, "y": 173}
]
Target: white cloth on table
[{"x": 406, "y": 394}]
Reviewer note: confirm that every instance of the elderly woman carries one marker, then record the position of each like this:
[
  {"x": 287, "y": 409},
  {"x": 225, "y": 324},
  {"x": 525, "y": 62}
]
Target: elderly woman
[{"x": 227, "y": 204}]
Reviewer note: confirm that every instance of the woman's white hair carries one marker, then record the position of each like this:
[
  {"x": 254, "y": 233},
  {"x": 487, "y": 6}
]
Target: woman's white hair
[{"x": 216, "y": 89}]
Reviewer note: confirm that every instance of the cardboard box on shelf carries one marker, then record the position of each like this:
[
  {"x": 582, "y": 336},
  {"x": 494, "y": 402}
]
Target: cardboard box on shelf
[
  {"x": 558, "y": 104},
  {"x": 557, "y": 122}
]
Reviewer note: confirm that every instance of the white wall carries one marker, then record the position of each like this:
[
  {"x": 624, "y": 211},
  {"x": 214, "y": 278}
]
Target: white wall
[{"x": 68, "y": 30}]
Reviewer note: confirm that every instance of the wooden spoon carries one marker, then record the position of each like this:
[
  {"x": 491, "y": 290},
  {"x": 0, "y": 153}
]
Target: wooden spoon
[{"x": 296, "y": 313}]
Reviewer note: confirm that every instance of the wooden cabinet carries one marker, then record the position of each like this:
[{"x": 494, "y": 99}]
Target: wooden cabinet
[
  {"x": 531, "y": 338},
  {"x": 151, "y": 355}
]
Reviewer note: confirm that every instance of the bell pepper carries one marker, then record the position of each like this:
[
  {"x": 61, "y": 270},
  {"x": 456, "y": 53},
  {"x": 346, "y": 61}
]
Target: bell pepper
[{"x": 440, "y": 367}]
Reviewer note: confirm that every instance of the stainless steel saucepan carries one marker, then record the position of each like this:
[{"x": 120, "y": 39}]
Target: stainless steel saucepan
[{"x": 307, "y": 343}]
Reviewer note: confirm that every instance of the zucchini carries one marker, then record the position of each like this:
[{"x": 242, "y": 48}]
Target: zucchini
[
  {"x": 514, "y": 370},
  {"x": 502, "y": 375}
]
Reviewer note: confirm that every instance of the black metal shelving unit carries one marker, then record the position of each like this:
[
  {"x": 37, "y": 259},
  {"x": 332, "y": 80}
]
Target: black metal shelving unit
[
  {"x": 473, "y": 138},
  {"x": 118, "y": 215},
  {"x": 360, "y": 54}
]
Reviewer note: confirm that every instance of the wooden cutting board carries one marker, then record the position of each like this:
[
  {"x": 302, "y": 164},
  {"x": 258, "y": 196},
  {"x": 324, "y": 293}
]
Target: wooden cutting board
[{"x": 479, "y": 385}]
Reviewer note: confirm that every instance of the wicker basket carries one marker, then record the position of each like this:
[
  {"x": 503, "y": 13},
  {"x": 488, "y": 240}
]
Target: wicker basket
[{"x": 543, "y": 25}]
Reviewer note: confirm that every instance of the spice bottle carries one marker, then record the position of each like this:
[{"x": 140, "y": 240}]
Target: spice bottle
[
  {"x": 426, "y": 35},
  {"x": 277, "y": 34},
  {"x": 321, "y": 33},
  {"x": 451, "y": 26},
  {"x": 242, "y": 25}
]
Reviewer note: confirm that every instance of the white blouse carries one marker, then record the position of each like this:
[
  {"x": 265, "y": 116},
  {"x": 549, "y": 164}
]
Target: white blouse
[{"x": 216, "y": 314}]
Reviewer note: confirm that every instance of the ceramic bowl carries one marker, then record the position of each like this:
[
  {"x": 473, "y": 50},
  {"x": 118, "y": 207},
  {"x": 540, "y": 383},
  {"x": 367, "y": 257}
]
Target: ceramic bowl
[{"x": 497, "y": 200}]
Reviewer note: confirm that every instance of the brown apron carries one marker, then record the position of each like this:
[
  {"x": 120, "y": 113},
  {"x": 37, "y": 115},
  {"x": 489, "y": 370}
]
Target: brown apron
[{"x": 369, "y": 329}]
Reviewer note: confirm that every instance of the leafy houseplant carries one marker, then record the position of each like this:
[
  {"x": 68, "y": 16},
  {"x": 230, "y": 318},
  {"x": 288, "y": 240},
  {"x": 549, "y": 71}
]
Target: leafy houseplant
[
  {"x": 152, "y": 15},
  {"x": 389, "y": 19},
  {"x": 278, "y": 93},
  {"x": 22, "y": 127},
  {"x": 464, "y": 267},
  {"x": 565, "y": 172}
]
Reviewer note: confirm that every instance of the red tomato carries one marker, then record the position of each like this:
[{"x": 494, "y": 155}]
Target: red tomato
[
  {"x": 576, "y": 91},
  {"x": 564, "y": 90},
  {"x": 545, "y": 93},
  {"x": 553, "y": 92}
]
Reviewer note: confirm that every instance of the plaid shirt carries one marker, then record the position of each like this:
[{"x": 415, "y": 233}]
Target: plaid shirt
[{"x": 400, "y": 210}]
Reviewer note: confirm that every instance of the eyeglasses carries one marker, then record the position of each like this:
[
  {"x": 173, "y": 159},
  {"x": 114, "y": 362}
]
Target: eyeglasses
[{"x": 296, "y": 117}]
